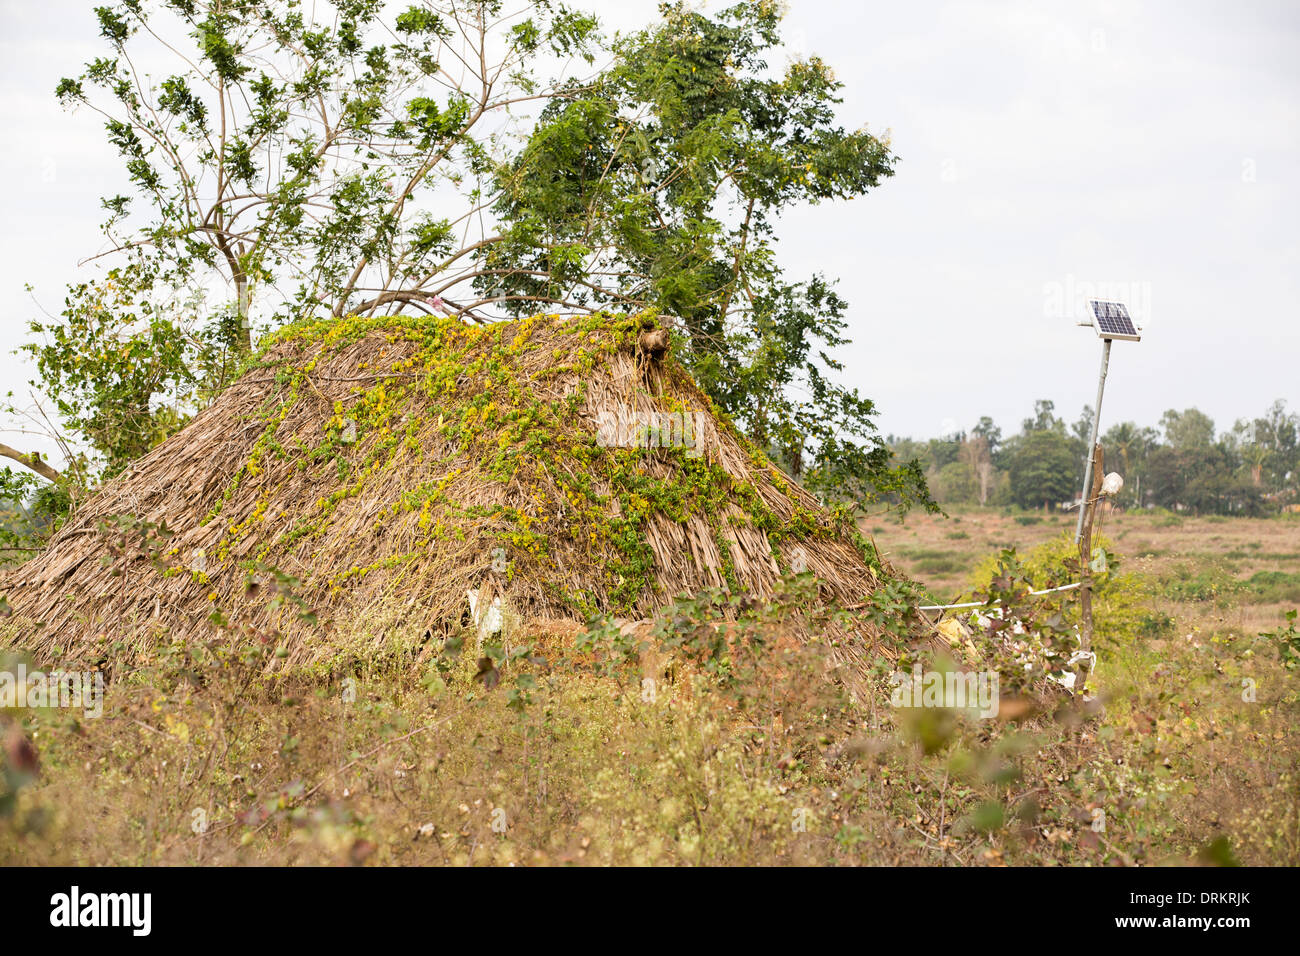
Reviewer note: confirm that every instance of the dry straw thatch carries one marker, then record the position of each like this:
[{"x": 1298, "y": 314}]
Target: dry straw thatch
[{"x": 389, "y": 466}]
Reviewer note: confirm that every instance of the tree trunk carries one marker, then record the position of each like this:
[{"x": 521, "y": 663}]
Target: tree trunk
[{"x": 245, "y": 333}]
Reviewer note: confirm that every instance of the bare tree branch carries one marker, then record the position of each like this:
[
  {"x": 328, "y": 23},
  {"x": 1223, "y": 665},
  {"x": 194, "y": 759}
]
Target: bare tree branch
[{"x": 34, "y": 462}]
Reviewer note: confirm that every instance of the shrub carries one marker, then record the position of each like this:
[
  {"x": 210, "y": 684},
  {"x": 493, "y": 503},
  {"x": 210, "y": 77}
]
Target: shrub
[
  {"x": 1274, "y": 587},
  {"x": 1287, "y": 640},
  {"x": 1214, "y": 584}
]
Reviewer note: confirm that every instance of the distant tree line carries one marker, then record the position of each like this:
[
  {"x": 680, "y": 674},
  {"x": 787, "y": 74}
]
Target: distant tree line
[{"x": 1251, "y": 469}]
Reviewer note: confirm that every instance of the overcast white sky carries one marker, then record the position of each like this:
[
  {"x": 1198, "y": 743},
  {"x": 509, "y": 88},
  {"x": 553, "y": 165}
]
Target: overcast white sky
[{"x": 1151, "y": 150}]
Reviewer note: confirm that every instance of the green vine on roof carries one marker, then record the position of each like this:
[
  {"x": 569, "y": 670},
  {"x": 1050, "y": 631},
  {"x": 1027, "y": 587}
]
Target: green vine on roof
[{"x": 452, "y": 395}]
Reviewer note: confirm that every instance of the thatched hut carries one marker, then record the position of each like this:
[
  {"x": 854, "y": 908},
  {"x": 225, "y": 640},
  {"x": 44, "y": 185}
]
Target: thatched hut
[{"x": 376, "y": 471}]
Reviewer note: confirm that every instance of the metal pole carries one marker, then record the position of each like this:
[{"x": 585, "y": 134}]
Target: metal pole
[{"x": 1096, "y": 423}]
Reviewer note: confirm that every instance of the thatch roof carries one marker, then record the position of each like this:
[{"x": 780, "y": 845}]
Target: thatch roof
[{"x": 391, "y": 465}]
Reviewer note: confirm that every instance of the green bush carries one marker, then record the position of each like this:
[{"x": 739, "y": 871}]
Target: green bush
[
  {"x": 1205, "y": 584},
  {"x": 1155, "y": 623},
  {"x": 1123, "y": 603},
  {"x": 950, "y": 565},
  {"x": 1268, "y": 587},
  {"x": 1166, "y": 519},
  {"x": 1287, "y": 640}
]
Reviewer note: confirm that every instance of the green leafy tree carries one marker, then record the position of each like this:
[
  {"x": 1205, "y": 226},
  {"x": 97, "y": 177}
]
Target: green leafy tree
[
  {"x": 1188, "y": 429},
  {"x": 122, "y": 371},
  {"x": 1127, "y": 446},
  {"x": 289, "y": 153},
  {"x": 987, "y": 429},
  {"x": 29, "y": 509},
  {"x": 1044, "y": 419},
  {"x": 1270, "y": 448},
  {"x": 1042, "y": 470},
  {"x": 955, "y": 484},
  {"x": 1081, "y": 430},
  {"x": 1201, "y": 479},
  {"x": 659, "y": 184}
]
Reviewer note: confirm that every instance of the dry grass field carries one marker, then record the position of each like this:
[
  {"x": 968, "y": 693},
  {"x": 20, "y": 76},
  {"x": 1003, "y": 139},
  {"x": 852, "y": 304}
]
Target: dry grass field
[
  {"x": 1190, "y": 751},
  {"x": 1242, "y": 572}
]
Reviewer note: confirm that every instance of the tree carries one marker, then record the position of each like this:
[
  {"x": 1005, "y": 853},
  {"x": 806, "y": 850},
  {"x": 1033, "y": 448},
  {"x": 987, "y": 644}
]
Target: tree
[
  {"x": 955, "y": 484},
  {"x": 1044, "y": 419},
  {"x": 660, "y": 183},
  {"x": 941, "y": 452},
  {"x": 1200, "y": 479},
  {"x": 1081, "y": 430},
  {"x": 1270, "y": 446},
  {"x": 1042, "y": 470},
  {"x": 977, "y": 456},
  {"x": 1253, "y": 453},
  {"x": 990, "y": 432},
  {"x": 1188, "y": 429},
  {"x": 288, "y": 155},
  {"x": 304, "y": 159},
  {"x": 285, "y": 161},
  {"x": 121, "y": 378},
  {"x": 1129, "y": 445}
]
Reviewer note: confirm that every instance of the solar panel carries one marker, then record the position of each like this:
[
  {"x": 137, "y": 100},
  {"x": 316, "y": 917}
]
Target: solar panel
[{"x": 1112, "y": 321}]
